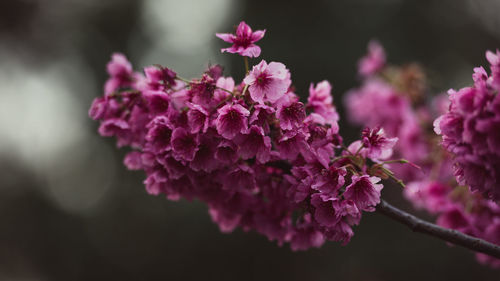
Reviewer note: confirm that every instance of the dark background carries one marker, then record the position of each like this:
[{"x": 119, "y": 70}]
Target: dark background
[{"x": 69, "y": 210}]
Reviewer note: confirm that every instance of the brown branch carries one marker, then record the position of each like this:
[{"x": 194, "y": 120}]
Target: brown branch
[{"x": 449, "y": 235}]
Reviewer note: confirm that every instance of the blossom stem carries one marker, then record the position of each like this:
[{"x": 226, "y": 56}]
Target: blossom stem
[
  {"x": 247, "y": 69},
  {"x": 400, "y": 161},
  {"x": 190, "y": 82},
  {"x": 390, "y": 174},
  {"x": 244, "y": 90},
  {"x": 448, "y": 235},
  {"x": 183, "y": 79}
]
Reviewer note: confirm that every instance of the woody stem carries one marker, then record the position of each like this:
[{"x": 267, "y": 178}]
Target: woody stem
[{"x": 448, "y": 235}]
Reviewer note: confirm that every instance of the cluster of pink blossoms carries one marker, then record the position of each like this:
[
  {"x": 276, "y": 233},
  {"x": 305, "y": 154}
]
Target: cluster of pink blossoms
[
  {"x": 382, "y": 101},
  {"x": 257, "y": 156},
  {"x": 393, "y": 98},
  {"x": 471, "y": 130}
]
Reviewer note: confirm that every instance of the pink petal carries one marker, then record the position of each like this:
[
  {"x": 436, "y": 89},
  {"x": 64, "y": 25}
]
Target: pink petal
[
  {"x": 243, "y": 29},
  {"x": 256, "y": 93},
  {"x": 227, "y": 37},
  {"x": 492, "y": 58},
  {"x": 277, "y": 70},
  {"x": 276, "y": 89},
  {"x": 257, "y": 35},
  {"x": 250, "y": 79},
  {"x": 231, "y": 50},
  {"x": 251, "y": 51}
]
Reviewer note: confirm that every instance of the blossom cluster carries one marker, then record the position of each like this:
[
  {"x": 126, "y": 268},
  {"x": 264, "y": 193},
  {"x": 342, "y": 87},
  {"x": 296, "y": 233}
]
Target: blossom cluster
[
  {"x": 383, "y": 100},
  {"x": 394, "y": 98},
  {"x": 252, "y": 151},
  {"x": 471, "y": 130}
]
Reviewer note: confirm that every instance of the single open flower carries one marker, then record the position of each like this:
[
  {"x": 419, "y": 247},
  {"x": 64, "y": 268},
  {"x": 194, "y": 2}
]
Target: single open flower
[
  {"x": 268, "y": 82},
  {"x": 364, "y": 192},
  {"x": 243, "y": 41},
  {"x": 232, "y": 119}
]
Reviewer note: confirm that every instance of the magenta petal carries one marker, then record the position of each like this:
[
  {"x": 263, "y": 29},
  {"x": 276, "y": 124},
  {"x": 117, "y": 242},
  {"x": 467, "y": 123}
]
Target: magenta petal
[
  {"x": 252, "y": 51},
  {"x": 257, "y": 35},
  {"x": 277, "y": 70},
  {"x": 243, "y": 41},
  {"x": 364, "y": 192},
  {"x": 232, "y": 120},
  {"x": 229, "y": 50},
  {"x": 256, "y": 93},
  {"x": 276, "y": 89},
  {"x": 227, "y": 37},
  {"x": 184, "y": 144}
]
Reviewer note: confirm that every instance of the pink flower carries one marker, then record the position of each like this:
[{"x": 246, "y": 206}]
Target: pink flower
[
  {"x": 320, "y": 100},
  {"x": 322, "y": 93},
  {"x": 214, "y": 71},
  {"x": 326, "y": 209},
  {"x": 204, "y": 158},
  {"x": 119, "y": 66},
  {"x": 341, "y": 232},
  {"x": 377, "y": 145},
  {"x": 291, "y": 144},
  {"x": 262, "y": 116},
  {"x": 223, "y": 83},
  {"x": 254, "y": 143},
  {"x": 494, "y": 60},
  {"x": 120, "y": 72},
  {"x": 267, "y": 82},
  {"x": 320, "y": 135},
  {"x": 198, "y": 118},
  {"x": 158, "y": 101},
  {"x": 226, "y": 220},
  {"x": 470, "y": 131},
  {"x": 291, "y": 115},
  {"x": 306, "y": 235},
  {"x": 377, "y": 103},
  {"x": 113, "y": 127},
  {"x": 155, "y": 182},
  {"x": 133, "y": 160},
  {"x": 240, "y": 177},
  {"x": 373, "y": 61},
  {"x": 175, "y": 169},
  {"x": 243, "y": 41},
  {"x": 184, "y": 144},
  {"x": 364, "y": 192},
  {"x": 179, "y": 98},
  {"x": 232, "y": 120},
  {"x": 227, "y": 152},
  {"x": 98, "y": 108},
  {"x": 330, "y": 180},
  {"x": 159, "y": 134},
  {"x": 159, "y": 78},
  {"x": 203, "y": 90},
  {"x": 350, "y": 212}
]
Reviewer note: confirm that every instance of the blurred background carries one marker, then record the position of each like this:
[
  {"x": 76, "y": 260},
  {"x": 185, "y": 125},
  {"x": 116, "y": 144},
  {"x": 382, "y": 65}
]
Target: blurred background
[{"x": 69, "y": 209}]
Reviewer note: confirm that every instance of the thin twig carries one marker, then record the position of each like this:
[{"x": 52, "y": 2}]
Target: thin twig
[
  {"x": 195, "y": 82},
  {"x": 449, "y": 235},
  {"x": 246, "y": 65}
]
